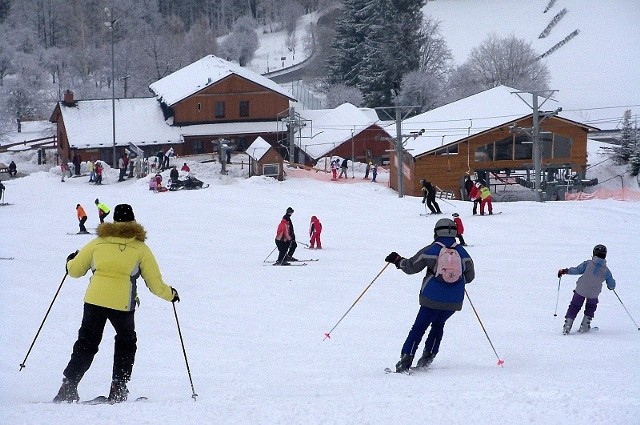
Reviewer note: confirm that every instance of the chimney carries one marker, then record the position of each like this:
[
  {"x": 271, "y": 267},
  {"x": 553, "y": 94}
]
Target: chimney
[{"x": 68, "y": 97}]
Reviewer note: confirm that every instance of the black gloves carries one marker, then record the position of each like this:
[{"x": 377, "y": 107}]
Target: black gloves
[
  {"x": 394, "y": 258},
  {"x": 562, "y": 271},
  {"x": 176, "y": 297},
  {"x": 72, "y": 255},
  {"x": 69, "y": 258},
  {"x": 423, "y": 201}
]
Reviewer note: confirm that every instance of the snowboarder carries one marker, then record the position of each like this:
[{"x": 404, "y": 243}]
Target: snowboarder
[
  {"x": 116, "y": 257},
  {"x": 439, "y": 299},
  {"x": 82, "y": 218},
  {"x": 13, "y": 170},
  {"x": 315, "y": 229},
  {"x": 593, "y": 273},
  {"x": 429, "y": 197},
  {"x": 103, "y": 210},
  {"x": 459, "y": 227},
  {"x": 485, "y": 199},
  {"x": 285, "y": 239}
]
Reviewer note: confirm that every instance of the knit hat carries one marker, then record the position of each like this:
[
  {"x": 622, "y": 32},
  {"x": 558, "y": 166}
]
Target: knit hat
[
  {"x": 97, "y": 201},
  {"x": 445, "y": 227},
  {"x": 123, "y": 213},
  {"x": 289, "y": 210}
]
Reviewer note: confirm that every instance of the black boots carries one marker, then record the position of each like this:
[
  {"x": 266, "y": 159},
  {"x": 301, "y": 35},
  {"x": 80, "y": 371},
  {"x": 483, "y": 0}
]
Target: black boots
[
  {"x": 405, "y": 363},
  {"x": 68, "y": 392},
  {"x": 426, "y": 359},
  {"x": 118, "y": 392}
]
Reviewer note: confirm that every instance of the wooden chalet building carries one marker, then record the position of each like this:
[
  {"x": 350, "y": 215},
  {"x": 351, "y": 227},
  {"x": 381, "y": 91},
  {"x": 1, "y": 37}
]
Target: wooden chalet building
[
  {"x": 264, "y": 160},
  {"x": 485, "y": 136},
  {"x": 346, "y": 131},
  {"x": 193, "y": 108}
]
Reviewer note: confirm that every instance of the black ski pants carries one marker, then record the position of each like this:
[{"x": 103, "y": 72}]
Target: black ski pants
[
  {"x": 283, "y": 247},
  {"x": 90, "y": 335}
]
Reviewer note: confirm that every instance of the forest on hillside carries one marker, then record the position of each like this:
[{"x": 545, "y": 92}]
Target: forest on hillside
[{"x": 49, "y": 46}]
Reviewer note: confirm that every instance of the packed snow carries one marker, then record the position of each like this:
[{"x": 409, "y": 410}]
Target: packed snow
[{"x": 253, "y": 333}]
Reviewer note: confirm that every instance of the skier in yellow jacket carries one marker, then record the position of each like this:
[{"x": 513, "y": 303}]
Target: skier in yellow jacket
[{"x": 117, "y": 257}]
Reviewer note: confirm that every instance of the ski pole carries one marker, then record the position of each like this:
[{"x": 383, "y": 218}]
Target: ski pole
[
  {"x": 625, "y": 309},
  {"x": 22, "y": 365},
  {"x": 328, "y": 334},
  {"x": 265, "y": 260},
  {"x": 500, "y": 361},
  {"x": 184, "y": 352},
  {"x": 555, "y": 313}
]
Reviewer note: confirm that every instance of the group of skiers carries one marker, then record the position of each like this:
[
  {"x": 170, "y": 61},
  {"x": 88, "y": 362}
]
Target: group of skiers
[{"x": 344, "y": 166}]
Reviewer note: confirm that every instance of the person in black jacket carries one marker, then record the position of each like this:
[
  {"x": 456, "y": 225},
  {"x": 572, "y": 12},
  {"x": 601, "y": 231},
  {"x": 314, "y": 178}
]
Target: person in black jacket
[
  {"x": 430, "y": 197},
  {"x": 292, "y": 245}
]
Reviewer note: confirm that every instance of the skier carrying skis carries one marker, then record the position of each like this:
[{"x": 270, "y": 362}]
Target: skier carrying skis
[
  {"x": 429, "y": 197},
  {"x": 315, "y": 229},
  {"x": 439, "y": 298},
  {"x": 593, "y": 273},
  {"x": 116, "y": 258}
]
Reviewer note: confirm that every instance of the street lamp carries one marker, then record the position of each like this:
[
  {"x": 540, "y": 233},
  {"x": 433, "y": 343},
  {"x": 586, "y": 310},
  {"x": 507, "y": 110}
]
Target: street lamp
[{"x": 109, "y": 24}]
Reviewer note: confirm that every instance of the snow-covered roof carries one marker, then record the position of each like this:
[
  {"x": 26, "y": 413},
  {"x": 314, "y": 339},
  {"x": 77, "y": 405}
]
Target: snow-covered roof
[
  {"x": 200, "y": 74},
  {"x": 329, "y": 128},
  {"x": 468, "y": 117},
  {"x": 258, "y": 148},
  {"x": 89, "y": 123}
]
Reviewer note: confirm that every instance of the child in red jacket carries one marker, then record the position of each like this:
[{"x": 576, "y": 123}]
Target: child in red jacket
[
  {"x": 460, "y": 227},
  {"x": 315, "y": 229}
]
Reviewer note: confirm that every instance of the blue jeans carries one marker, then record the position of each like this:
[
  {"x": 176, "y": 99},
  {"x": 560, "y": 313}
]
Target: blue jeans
[{"x": 427, "y": 316}]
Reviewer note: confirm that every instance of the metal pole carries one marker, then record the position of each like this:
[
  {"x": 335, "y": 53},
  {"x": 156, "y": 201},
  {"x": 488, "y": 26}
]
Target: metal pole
[
  {"x": 292, "y": 133},
  {"x": 399, "y": 158},
  {"x": 113, "y": 91},
  {"x": 537, "y": 152},
  {"x": 353, "y": 155}
]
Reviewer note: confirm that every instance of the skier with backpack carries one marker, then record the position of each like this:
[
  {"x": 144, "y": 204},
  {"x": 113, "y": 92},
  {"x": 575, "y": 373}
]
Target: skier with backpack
[
  {"x": 593, "y": 273},
  {"x": 449, "y": 268}
]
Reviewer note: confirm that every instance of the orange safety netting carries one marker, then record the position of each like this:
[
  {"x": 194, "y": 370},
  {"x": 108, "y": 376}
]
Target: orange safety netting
[{"x": 617, "y": 194}]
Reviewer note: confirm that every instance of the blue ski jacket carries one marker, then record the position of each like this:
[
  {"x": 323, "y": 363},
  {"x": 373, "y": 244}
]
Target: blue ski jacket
[{"x": 435, "y": 293}]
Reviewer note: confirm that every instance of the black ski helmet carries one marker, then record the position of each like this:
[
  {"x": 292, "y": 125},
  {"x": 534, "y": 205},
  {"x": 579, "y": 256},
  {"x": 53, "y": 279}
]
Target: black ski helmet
[{"x": 600, "y": 251}]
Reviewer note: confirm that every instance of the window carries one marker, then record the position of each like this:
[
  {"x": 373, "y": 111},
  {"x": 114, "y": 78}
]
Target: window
[
  {"x": 244, "y": 108},
  {"x": 198, "y": 147},
  {"x": 484, "y": 153},
  {"x": 199, "y": 106},
  {"x": 561, "y": 146},
  {"x": 504, "y": 149},
  {"x": 523, "y": 147},
  {"x": 219, "y": 109},
  {"x": 271, "y": 170}
]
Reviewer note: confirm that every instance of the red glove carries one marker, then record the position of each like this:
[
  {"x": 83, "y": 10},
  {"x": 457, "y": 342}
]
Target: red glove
[{"x": 562, "y": 271}]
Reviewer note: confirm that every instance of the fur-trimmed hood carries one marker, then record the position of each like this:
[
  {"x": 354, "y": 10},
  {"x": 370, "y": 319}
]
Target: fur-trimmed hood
[{"x": 127, "y": 230}]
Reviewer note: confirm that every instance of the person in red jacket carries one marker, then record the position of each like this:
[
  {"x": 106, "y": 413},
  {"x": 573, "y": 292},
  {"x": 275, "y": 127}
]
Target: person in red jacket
[
  {"x": 284, "y": 239},
  {"x": 474, "y": 195},
  {"x": 314, "y": 232},
  {"x": 459, "y": 227}
]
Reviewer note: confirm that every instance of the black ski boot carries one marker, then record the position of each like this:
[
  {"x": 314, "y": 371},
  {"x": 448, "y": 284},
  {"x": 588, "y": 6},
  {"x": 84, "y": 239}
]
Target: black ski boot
[
  {"x": 405, "y": 363},
  {"x": 67, "y": 393},
  {"x": 426, "y": 359},
  {"x": 585, "y": 326},
  {"x": 118, "y": 392},
  {"x": 568, "y": 322}
]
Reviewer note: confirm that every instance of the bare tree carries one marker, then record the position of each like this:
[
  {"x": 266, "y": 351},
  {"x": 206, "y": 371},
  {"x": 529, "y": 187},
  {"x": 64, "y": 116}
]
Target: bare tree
[
  {"x": 242, "y": 43},
  {"x": 508, "y": 61},
  {"x": 421, "y": 88},
  {"x": 338, "y": 94}
]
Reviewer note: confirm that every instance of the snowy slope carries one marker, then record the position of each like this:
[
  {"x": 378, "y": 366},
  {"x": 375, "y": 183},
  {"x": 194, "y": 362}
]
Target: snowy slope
[{"x": 254, "y": 333}]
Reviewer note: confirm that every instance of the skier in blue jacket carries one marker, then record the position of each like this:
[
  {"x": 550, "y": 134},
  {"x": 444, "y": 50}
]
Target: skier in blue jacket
[
  {"x": 593, "y": 273},
  {"x": 438, "y": 299}
]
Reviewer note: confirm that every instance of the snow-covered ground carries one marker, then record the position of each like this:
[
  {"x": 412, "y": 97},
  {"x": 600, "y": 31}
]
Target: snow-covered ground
[{"x": 253, "y": 333}]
